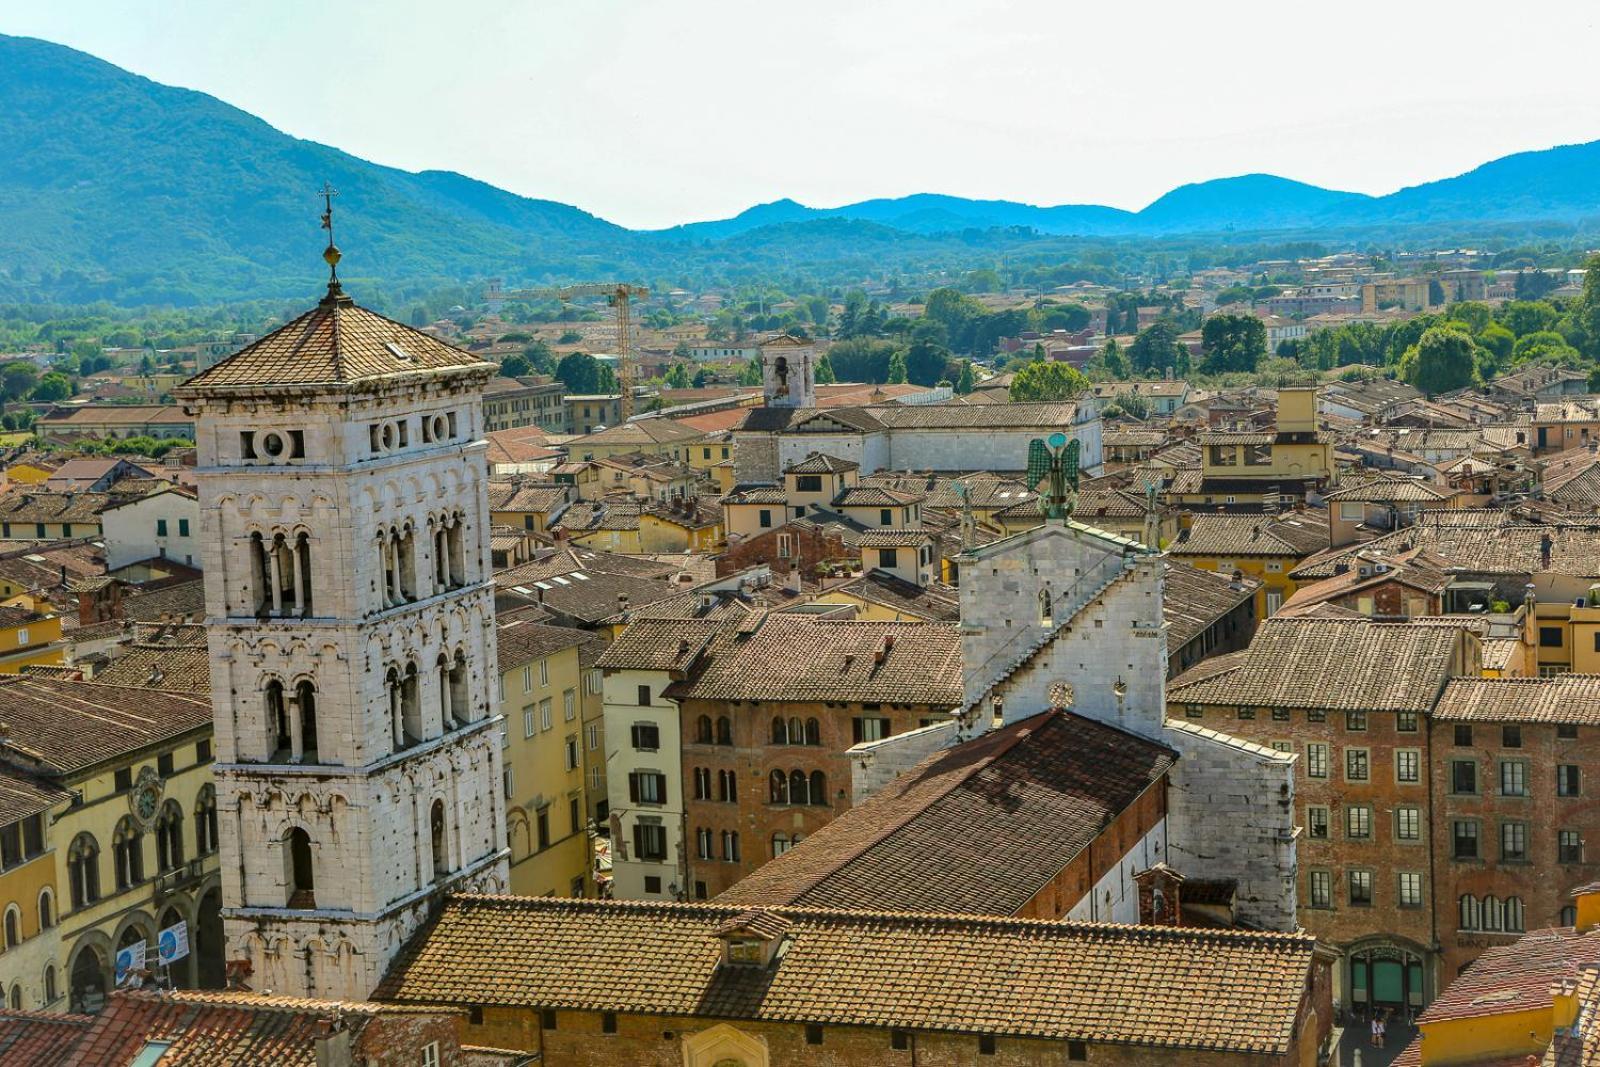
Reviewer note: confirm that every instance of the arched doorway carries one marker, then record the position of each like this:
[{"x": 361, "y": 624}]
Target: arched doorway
[
  {"x": 1387, "y": 977},
  {"x": 206, "y": 940},
  {"x": 89, "y": 980}
]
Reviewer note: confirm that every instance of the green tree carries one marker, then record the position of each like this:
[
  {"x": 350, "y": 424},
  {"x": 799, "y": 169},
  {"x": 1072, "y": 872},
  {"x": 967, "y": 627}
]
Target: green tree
[
  {"x": 569, "y": 337},
  {"x": 1586, "y": 312},
  {"x": 539, "y": 357},
  {"x": 1545, "y": 346},
  {"x": 51, "y": 388},
  {"x": 1232, "y": 343},
  {"x": 1115, "y": 362},
  {"x": 678, "y": 376},
  {"x": 817, "y": 307},
  {"x": 825, "y": 371},
  {"x": 1047, "y": 381},
  {"x": 926, "y": 358},
  {"x": 751, "y": 375},
  {"x": 580, "y": 373},
  {"x": 1157, "y": 350},
  {"x": 1497, "y": 339},
  {"x": 701, "y": 378},
  {"x": 1474, "y": 315},
  {"x": 681, "y": 350},
  {"x": 17, "y": 379},
  {"x": 1444, "y": 358},
  {"x": 1523, "y": 317},
  {"x": 1134, "y": 404},
  {"x": 897, "y": 368},
  {"x": 515, "y": 366},
  {"x": 966, "y": 382},
  {"x": 861, "y": 359}
]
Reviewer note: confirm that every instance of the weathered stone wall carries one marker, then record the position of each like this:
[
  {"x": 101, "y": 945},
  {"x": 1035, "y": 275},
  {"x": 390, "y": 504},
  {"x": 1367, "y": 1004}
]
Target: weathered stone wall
[{"x": 1233, "y": 816}]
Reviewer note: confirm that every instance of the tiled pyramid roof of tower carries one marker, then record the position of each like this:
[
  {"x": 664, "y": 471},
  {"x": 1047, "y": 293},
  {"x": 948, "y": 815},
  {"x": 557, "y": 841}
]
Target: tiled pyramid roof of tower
[
  {"x": 336, "y": 343},
  {"x": 1151, "y": 986},
  {"x": 980, "y": 828}
]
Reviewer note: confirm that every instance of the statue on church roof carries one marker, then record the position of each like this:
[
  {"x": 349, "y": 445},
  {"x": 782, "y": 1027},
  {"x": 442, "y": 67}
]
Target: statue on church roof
[{"x": 1057, "y": 461}]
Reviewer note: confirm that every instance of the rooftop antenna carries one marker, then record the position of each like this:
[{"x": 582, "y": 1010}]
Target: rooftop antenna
[{"x": 330, "y": 255}]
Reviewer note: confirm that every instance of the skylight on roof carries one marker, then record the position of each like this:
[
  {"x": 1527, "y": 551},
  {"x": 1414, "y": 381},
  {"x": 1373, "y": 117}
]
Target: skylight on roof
[
  {"x": 543, "y": 585},
  {"x": 582, "y": 577},
  {"x": 396, "y": 351},
  {"x": 560, "y": 580},
  {"x": 34, "y": 557},
  {"x": 524, "y": 590}
]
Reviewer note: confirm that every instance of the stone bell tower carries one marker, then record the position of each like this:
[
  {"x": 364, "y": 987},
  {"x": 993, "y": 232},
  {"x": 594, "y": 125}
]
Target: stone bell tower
[
  {"x": 789, "y": 372},
  {"x": 345, "y": 529}
]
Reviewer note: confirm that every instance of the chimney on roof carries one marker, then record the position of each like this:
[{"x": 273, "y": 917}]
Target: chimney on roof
[
  {"x": 622, "y": 602},
  {"x": 332, "y": 1042},
  {"x": 156, "y": 675}
]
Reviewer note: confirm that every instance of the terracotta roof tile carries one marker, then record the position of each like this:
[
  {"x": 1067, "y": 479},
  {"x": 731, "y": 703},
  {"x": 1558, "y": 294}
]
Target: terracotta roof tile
[
  {"x": 336, "y": 343},
  {"x": 65, "y": 726},
  {"x": 1144, "y": 985},
  {"x": 979, "y": 828}
]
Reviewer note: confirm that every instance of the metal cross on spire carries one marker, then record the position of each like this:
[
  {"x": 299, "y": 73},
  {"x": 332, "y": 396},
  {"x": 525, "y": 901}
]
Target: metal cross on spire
[{"x": 331, "y": 255}]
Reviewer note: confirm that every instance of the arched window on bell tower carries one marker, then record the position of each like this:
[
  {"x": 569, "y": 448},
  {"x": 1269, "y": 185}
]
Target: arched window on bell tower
[
  {"x": 436, "y": 834},
  {"x": 305, "y": 695},
  {"x": 260, "y": 574},
  {"x": 394, "y": 690},
  {"x": 298, "y": 876},
  {"x": 460, "y": 711},
  {"x": 280, "y": 741},
  {"x": 405, "y": 549},
  {"x": 411, "y": 706}
]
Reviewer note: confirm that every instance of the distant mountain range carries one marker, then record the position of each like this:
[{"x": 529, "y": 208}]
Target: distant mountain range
[{"x": 113, "y": 186}]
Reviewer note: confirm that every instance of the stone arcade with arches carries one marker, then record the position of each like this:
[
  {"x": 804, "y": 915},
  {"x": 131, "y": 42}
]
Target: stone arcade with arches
[{"x": 345, "y": 530}]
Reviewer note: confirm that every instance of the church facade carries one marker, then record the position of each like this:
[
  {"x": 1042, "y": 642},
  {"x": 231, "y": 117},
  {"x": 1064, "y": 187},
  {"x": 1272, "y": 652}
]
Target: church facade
[{"x": 345, "y": 530}]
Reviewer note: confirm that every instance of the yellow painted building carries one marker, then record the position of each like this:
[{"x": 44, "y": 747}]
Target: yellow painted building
[
  {"x": 681, "y": 526},
  {"x": 31, "y": 974},
  {"x": 136, "y": 851},
  {"x": 706, "y": 455},
  {"x": 1534, "y": 1001},
  {"x": 1266, "y": 548},
  {"x": 29, "y": 637},
  {"x": 1242, "y": 467},
  {"x": 543, "y": 689}
]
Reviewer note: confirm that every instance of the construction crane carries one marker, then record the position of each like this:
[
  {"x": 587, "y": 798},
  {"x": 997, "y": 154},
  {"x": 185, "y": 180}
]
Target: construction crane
[{"x": 618, "y": 295}]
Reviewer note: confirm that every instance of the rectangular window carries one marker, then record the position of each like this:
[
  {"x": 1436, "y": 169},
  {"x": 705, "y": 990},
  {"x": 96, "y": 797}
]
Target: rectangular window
[
  {"x": 510, "y": 783},
  {"x": 1358, "y": 822},
  {"x": 183, "y": 527},
  {"x": 569, "y": 704},
  {"x": 1569, "y": 846},
  {"x": 430, "y": 1054},
  {"x": 545, "y": 710},
  {"x": 1357, "y": 765},
  {"x": 1247, "y": 713},
  {"x": 161, "y": 527},
  {"x": 765, "y": 519},
  {"x": 1280, "y": 714},
  {"x": 1321, "y": 889},
  {"x": 1410, "y": 889},
  {"x": 1550, "y": 636},
  {"x": 164, "y": 765},
  {"x": 544, "y": 672},
  {"x": 1317, "y": 822},
  {"x": 122, "y": 779},
  {"x": 1463, "y": 734},
  {"x": 1569, "y": 780},
  {"x": 1355, "y": 720},
  {"x": 527, "y": 678},
  {"x": 1464, "y": 838},
  {"x": 1407, "y": 765},
  {"x": 870, "y": 728},
  {"x": 1514, "y": 842},
  {"x": 1316, "y": 715},
  {"x": 813, "y": 1034},
  {"x": 1464, "y": 777},
  {"x": 594, "y": 736},
  {"x": 644, "y": 696},
  {"x": 888, "y": 557},
  {"x": 1511, "y": 736},
  {"x": 572, "y": 752},
  {"x": 646, "y": 736},
  {"x": 202, "y": 752},
  {"x": 1513, "y": 778},
  {"x": 527, "y": 721},
  {"x": 650, "y": 843},
  {"x": 647, "y": 787},
  {"x": 1316, "y": 760},
  {"x": 542, "y": 821},
  {"x": 1405, "y": 722},
  {"x": 1568, "y": 731},
  {"x": 1407, "y": 823},
  {"x": 1361, "y": 889}
]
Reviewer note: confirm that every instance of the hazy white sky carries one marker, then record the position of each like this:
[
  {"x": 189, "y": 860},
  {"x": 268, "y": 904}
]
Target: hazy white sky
[{"x": 653, "y": 113}]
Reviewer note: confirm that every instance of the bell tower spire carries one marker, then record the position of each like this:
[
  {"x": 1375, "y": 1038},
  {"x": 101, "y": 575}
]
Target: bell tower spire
[{"x": 330, "y": 255}]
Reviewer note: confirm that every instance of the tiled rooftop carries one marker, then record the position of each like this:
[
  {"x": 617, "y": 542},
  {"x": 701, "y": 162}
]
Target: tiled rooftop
[
  {"x": 977, "y": 829},
  {"x": 336, "y": 343},
  {"x": 1141, "y": 985}
]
